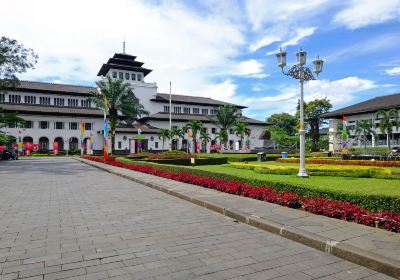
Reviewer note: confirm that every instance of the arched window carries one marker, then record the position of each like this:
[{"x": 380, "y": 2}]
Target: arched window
[
  {"x": 60, "y": 142},
  {"x": 44, "y": 143},
  {"x": 73, "y": 143}
]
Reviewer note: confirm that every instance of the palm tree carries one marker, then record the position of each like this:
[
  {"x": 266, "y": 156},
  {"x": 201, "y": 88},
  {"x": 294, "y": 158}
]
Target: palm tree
[
  {"x": 195, "y": 126},
  {"x": 163, "y": 134},
  {"x": 226, "y": 116},
  {"x": 120, "y": 98},
  {"x": 205, "y": 138},
  {"x": 222, "y": 135},
  {"x": 176, "y": 134},
  {"x": 389, "y": 119},
  {"x": 364, "y": 127},
  {"x": 240, "y": 130}
]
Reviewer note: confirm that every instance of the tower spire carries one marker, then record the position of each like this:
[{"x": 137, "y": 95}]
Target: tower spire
[{"x": 123, "y": 46}]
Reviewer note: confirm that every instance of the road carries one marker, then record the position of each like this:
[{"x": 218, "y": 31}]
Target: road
[{"x": 62, "y": 219}]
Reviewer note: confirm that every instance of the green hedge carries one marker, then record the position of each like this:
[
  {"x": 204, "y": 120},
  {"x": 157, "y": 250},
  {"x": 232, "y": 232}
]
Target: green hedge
[
  {"x": 370, "y": 202},
  {"x": 187, "y": 162}
]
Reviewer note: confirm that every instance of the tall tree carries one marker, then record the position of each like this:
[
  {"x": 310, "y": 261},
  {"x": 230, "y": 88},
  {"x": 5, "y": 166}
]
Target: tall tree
[
  {"x": 222, "y": 135},
  {"x": 120, "y": 99},
  {"x": 164, "y": 134},
  {"x": 285, "y": 121},
  {"x": 14, "y": 59},
  {"x": 195, "y": 126},
  {"x": 8, "y": 119},
  {"x": 205, "y": 138},
  {"x": 388, "y": 119},
  {"x": 176, "y": 134},
  {"x": 240, "y": 129},
  {"x": 313, "y": 111},
  {"x": 364, "y": 127},
  {"x": 226, "y": 116}
]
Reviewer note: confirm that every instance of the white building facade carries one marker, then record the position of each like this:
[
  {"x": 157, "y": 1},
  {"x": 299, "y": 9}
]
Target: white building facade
[
  {"x": 54, "y": 112},
  {"x": 366, "y": 110}
]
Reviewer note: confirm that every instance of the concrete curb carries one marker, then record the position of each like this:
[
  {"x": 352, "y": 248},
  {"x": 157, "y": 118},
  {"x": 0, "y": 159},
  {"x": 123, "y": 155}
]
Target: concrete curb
[{"x": 339, "y": 249}]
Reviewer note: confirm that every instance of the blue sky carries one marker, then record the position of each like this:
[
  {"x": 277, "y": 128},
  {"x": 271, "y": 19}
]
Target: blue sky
[{"x": 221, "y": 49}]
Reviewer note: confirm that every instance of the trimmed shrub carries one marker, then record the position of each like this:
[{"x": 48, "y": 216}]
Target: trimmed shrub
[
  {"x": 187, "y": 162},
  {"x": 377, "y": 163}
]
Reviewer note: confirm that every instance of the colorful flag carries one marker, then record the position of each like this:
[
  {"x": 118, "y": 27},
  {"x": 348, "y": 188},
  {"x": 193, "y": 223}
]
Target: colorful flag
[
  {"x": 82, "y": 134},
  {"x": 345, "y": 136},
  {"x": 188, "y": 140},
  {"x": 91, "y": 142},
  {"x": 139, "y": 138}
]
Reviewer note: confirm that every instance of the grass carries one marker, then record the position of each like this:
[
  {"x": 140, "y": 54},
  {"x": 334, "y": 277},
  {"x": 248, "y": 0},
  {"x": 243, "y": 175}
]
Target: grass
[{"x": 368, "y": 186}]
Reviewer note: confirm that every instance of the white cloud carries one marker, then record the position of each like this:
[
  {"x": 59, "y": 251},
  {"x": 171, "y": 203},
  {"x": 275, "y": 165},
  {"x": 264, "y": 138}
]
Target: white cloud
[
  {"x": 393, "y": 71},
  {"x": 367, "y": 12},
  {"x": 340, "y": 92},
  {"x": 249, "y": 68},
  {"x": 265, "y": 41},
  {"x": 300, "y": 34},
  {"x": 73, "y": 38}
]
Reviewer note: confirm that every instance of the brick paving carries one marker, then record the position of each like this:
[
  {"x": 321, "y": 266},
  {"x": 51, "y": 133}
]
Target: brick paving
[{"x": 62, "y": 219}]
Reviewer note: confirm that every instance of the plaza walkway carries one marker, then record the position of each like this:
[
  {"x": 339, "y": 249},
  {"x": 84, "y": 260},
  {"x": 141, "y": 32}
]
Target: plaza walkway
[{"x": 63, "y": 219}]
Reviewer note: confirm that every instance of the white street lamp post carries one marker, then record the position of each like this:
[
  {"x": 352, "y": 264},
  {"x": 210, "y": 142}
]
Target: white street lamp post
[{"x": 301, "y": 73}]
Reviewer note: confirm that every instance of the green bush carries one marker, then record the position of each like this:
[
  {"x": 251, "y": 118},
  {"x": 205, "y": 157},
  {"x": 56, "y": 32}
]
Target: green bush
[
  {"x": 368, "y": 201},
  {"x": 174, "y": 152},
  {"x": 187, "y": 161}
]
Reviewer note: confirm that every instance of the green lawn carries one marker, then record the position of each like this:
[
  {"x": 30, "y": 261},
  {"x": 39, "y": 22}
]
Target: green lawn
[{"x": 369, "y": 186}]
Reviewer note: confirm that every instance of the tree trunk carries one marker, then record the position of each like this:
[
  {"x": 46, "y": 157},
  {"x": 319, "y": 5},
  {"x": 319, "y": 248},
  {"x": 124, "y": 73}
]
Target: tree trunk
[
  {"x": 113, "y": 124},
  {"x": 241, "y": 142},
  {"x": 388, "y": 142}
]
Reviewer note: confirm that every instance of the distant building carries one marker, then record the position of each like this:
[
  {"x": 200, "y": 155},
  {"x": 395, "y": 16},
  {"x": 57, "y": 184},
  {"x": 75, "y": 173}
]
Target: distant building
[
  {"x": 366, "y": 110},
  {"x": 54, "y": 112}
]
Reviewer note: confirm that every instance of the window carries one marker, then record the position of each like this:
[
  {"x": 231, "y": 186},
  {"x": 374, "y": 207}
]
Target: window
[
  {"x": 44, "y": 125},
  {"x": 186, "y": 110},
  {"x": 58, "y": 125},
  {"x": 2, "y": 97},
  {"x": 133, "y": 77},
  {"x": 121, "y": 75},
  {"x": 12, "y": 125},
  {"x": 126, "y": 76},
  {"x": 119, "y": 144},
  {"x": 204, "y": 111},
  {"x": 88, "y": 126},
  {"x": 73, "y": 126},
  {"x": 58, "y": 101},
  {"x": 139, "y": 77},
  {"x": 29, "y": 99},
  {"x": 156, "y": 145},
  {"x": 86, "y": 103},
  {"x": 166, "y": 109},
  {"x": 177, "y": 110},
  {"x": 174, "y": 126},
  {"x": 213, "y": 130},
  {"x": 114, "y": 74},
  {"x": 72, "y": 102},
  {"x": 28, "y": 124},
  {"x": 44, "y": 100},
  {"x": 196, "y": 111},
  {"x": 213, "y": 112},
  {"x": 204, "y": 129},
  {"x": 13, "y": 98}
]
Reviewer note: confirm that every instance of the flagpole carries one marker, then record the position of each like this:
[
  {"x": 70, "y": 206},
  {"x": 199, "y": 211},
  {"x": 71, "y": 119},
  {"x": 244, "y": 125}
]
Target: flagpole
[{"x": 170, "y": 115}]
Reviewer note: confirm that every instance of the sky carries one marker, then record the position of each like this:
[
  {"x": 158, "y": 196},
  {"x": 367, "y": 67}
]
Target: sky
[{"x": 223, "y": 49}]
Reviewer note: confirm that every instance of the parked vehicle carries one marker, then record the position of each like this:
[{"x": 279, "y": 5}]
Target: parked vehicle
[{"x": 6, "y": 154}]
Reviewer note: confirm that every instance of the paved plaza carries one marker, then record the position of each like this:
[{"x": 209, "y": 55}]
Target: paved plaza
[{"x": 63, "y": 219}]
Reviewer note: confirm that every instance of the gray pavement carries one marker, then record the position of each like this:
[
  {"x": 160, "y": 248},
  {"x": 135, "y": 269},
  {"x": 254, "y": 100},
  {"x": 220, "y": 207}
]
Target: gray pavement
[{"x": 62, "y": 219}]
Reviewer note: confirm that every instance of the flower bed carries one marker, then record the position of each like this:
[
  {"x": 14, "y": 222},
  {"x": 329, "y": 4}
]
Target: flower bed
[
  {"x": 344, "y": 162},
  {"x": 388, "y": 220},
  {"x": 320, "y": 170}
]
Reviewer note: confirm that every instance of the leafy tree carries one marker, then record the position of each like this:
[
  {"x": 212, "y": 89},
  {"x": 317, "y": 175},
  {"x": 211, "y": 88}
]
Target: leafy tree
[
  {"x": 205, "y": 138},
  {"x": 177, "y": 133},
  {"x": 389, "y": 119},
  {"x": 120, "y": 99},
  {"x": 195, "y": 126},
  {"x": 282, "y": 138},
  {"x": 14, "y": 59},
  {"x": 226, "y": 116},
  {"x": 286, "y": 121},
  {"x": 313, "y": 111},
  {"x": 240, "y": 130},
  {"x": 364, "y": 127},
  {"x": 222, "y": 135},
  {"x": 164, "y": 134},
  {"x": 8, "y": 119}
]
